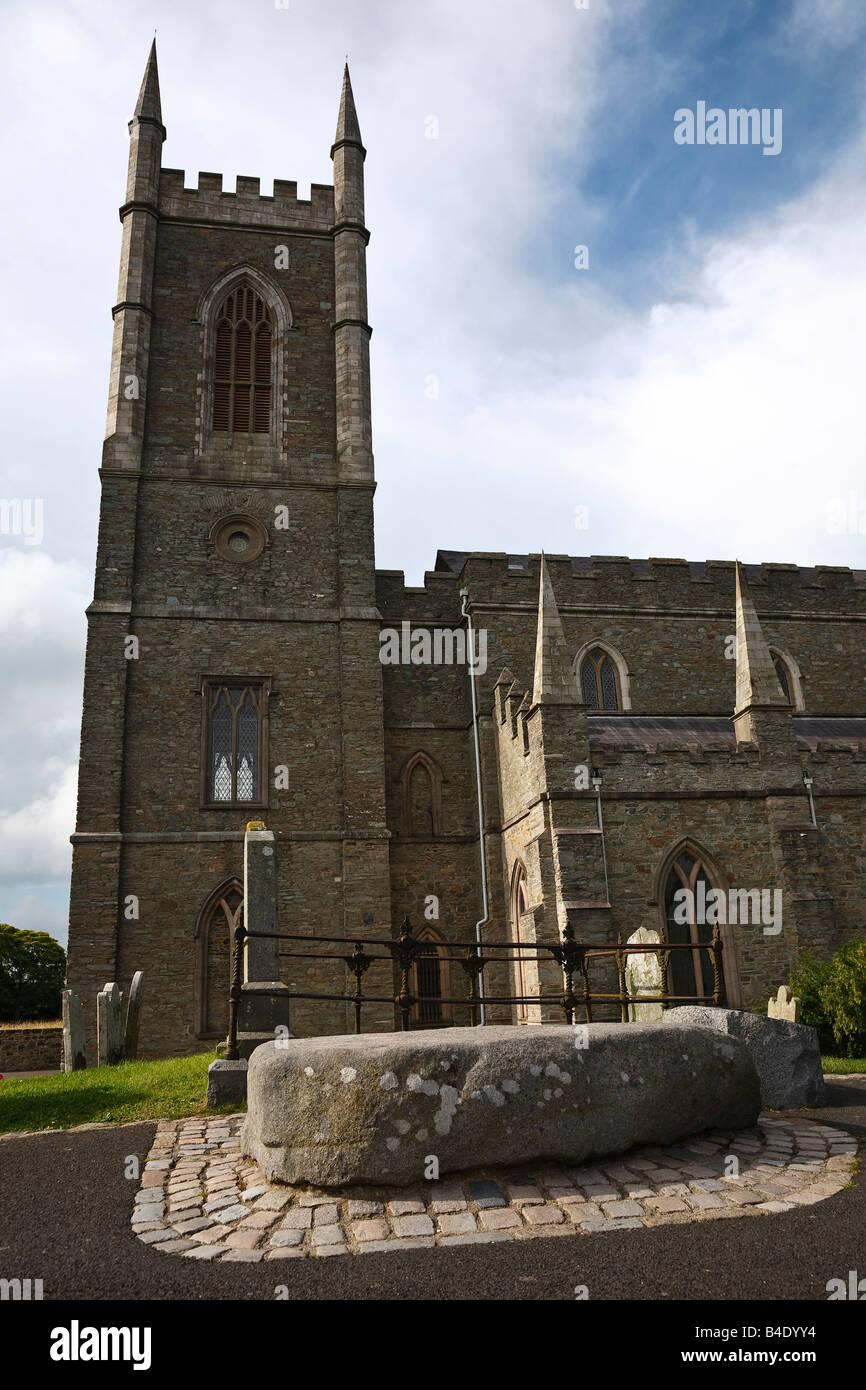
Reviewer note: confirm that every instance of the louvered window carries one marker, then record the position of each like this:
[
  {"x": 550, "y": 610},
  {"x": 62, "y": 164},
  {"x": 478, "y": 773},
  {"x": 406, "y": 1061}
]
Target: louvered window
[
  {"x": 234, "y": 744},
  {"x": 598, "y": 681},
  {"x": 243, "y": 353}
]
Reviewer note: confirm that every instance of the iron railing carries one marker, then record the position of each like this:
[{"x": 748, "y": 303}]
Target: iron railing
[{"x": 404, "y": 952}]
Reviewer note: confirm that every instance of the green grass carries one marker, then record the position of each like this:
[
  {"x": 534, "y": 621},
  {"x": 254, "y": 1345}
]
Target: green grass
[
  {"x": 169, "y": 1089},
  {"x": 843, "y": 1066}
]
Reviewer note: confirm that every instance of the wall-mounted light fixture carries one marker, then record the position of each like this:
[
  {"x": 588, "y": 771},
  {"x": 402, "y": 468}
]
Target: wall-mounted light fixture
[
  {"x": 595, "y": 778},
  {"x": 807, "y": 783}
]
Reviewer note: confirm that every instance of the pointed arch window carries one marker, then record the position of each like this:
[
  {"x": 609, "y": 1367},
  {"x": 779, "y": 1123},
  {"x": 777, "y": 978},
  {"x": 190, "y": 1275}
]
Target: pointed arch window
[
  {"x": 599, "y": 681},
  {"x": 684, "y": 919},
  {"x": 690, "y": 972},
  {"x": 243, "y": 364},
  {"x": 234, "y": 739},
  {"x": 789, "y": 677}
]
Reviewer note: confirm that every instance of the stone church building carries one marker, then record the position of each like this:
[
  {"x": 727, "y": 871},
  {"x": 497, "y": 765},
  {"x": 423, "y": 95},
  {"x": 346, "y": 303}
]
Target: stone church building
[{"x": 642, "y": 726}]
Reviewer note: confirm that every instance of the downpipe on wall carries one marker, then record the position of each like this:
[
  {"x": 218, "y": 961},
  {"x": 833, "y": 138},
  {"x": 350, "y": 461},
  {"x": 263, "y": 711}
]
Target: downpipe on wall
[{"x": 485, "y": 905}]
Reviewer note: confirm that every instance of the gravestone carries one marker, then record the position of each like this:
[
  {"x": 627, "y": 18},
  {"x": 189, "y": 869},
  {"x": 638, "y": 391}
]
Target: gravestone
[
  {"x": 643, "y": 975},
  {"x": 262, "y": 1011},
  {"x": 261, "y": 958},
  {"x": 263, "y": 1008},
  {"x": 74, "y": 1053},
  {"x": 784, "y": 1006},
  {"x": 133, "y": 1016},
  {"x": 109, "y": 1022}
]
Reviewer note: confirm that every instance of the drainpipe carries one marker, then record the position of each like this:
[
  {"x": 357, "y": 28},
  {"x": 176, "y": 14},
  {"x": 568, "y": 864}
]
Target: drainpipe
[
  {"x": 596, "y": 782},
  {"x": 464, "y": 594},
  {"x": 807, "y": 783}
]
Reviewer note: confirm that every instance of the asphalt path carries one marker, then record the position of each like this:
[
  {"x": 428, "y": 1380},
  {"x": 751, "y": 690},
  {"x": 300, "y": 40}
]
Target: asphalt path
[{"x": 65, "y": 1205}]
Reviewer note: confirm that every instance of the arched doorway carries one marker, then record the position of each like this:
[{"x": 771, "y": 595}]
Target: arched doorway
[
  {"x": 686, "y": 916},
  {"x": 214, "y": 935}
]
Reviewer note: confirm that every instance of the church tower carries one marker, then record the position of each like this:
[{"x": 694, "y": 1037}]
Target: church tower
[{"x": 232, "y": 668}]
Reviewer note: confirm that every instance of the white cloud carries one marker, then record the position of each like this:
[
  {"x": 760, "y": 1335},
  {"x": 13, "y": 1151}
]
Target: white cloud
[
  {"x": 34, "y": 840},
  {"x": 833, "y": 22},
  {"x": 716, "y": 425}
]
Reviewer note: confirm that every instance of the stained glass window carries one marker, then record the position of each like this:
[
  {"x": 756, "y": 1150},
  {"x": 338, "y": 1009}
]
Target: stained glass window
[
  {"x": 608, "y": 685},
  {"x": 234, "y": 744},
  {"x": 782, "y": 673},
  {"x": 590, "y": 685},
  {"x": 690, "y": 972},
  {"x": 598, "y": 679}
]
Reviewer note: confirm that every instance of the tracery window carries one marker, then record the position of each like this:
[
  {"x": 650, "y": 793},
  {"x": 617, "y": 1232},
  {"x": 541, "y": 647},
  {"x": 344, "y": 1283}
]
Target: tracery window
[
  {"x": 243, "y": 364},
  {"x": 234, "y": 743},
  {"x": 598, "y": 681},
  {"x": 690, "y": 973},
  {"x": 782, "y": 673}
]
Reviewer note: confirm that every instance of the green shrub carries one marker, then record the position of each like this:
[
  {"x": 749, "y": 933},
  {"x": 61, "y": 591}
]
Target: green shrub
[{"x": 833, "y": 997}]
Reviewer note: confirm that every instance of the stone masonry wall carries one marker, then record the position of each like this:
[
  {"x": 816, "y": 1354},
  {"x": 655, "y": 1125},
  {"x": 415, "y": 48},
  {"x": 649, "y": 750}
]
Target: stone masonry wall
[{"x": 30, "y": 1049}]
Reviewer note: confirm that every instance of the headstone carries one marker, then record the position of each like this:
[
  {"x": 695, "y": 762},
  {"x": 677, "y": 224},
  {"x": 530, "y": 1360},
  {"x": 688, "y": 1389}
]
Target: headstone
[
  {"x": 338, "y": 1110},
  {"x": 74, "y": 1053},
  {"x": 643, "y": 975},
  {"x": 109, "y": 1021},
  {"x": 786, "y": 1055},
  {"x": 133, "y": 1016},
  {"x": 784, "y": 1006},
  {"x": 261, "y": 957},
  {"x": 263, "y": 1012}
]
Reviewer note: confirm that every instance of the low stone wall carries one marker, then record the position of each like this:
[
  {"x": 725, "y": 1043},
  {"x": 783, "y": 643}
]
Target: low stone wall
[{"x": 31, "y": 1049}]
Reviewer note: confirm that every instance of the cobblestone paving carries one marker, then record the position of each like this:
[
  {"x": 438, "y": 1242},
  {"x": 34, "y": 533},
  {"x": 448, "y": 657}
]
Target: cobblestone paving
[{"x": 200, "y": 1198}]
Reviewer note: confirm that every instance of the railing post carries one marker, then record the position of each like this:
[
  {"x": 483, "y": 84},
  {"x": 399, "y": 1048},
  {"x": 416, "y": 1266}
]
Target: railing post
[
  {"x": 570, "y": 955},
  {"x": 584, "y": 971},
  {"x": 235, "y": 990},
  {"x": 473, "y": 964},
  {"x": 358, "y": 962},
  {"x": 717, "y": 966},
  {"x": 406, "y": 951}
]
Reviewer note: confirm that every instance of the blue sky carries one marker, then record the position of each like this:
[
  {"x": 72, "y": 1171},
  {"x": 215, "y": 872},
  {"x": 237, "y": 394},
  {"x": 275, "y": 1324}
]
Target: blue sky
[{"x": 697, "y": 388}]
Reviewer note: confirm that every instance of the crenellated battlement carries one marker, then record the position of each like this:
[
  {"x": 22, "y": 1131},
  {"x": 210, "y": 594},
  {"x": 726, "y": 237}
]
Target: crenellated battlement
[
  {"x": 656, "y": 583},
  {"x": 208, "y": 202}
]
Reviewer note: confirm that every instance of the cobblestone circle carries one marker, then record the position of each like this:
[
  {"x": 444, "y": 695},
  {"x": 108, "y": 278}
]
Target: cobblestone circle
[{"x": 200, "y": 1198}]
